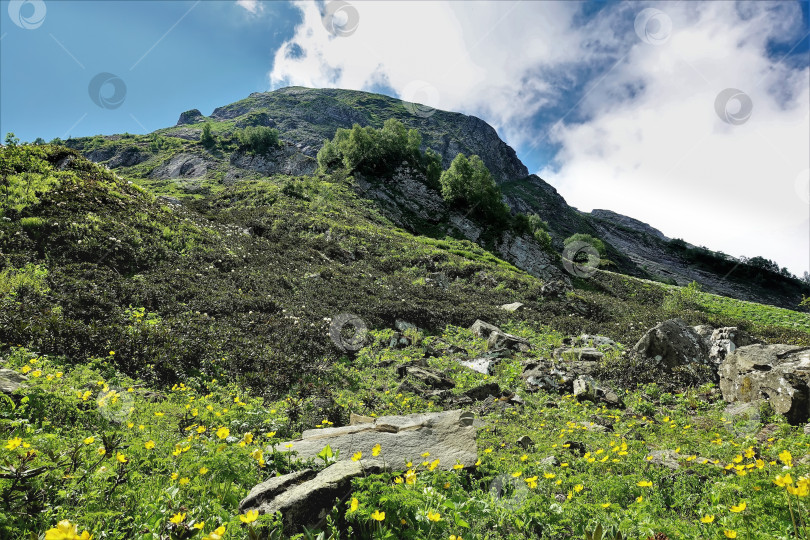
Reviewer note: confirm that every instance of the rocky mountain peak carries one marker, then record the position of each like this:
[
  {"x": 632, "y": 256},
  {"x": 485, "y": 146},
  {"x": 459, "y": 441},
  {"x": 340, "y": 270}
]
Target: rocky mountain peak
[{"x": 307, "y": 116}]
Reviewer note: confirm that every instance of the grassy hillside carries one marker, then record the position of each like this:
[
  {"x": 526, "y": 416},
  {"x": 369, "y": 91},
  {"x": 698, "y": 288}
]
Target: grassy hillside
[{"x": 170, "y": 349}]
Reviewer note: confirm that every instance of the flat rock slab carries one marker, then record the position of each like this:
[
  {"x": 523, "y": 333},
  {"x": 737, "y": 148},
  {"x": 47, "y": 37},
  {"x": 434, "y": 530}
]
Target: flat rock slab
[
  {"x": 449, "y": 436},
  {"x": 304, "y": 498}
]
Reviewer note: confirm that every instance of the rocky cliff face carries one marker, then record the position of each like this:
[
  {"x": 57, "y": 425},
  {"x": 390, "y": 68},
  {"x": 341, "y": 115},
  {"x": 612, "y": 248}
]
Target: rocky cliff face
[{"x": 307, "y": 116}]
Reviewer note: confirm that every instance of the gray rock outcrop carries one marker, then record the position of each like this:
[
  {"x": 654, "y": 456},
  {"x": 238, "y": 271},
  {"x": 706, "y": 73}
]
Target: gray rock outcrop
[
  {"x": 778, "y": 373},
  {"x": 190, "y": 117}
]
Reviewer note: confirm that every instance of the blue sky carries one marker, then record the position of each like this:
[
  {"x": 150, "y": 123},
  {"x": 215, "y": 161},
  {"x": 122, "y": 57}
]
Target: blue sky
[
  {"x": 213, "y": 53},
  {"x": 613, "y": 103}
]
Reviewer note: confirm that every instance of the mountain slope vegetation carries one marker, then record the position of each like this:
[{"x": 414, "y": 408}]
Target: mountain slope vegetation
[{"x": 172, "y": 340}]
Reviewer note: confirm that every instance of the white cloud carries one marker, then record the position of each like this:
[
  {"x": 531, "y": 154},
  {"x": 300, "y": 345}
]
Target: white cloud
[
  {"x": 666, "y": 158},
  {"x": 478, "y": 59},
  {"x": 651, "y": 145},
  {"x": 253, "y": 6}
]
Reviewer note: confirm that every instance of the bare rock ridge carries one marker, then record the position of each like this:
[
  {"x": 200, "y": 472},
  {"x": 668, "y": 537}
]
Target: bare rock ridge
[{"x": 627, "y": 222}]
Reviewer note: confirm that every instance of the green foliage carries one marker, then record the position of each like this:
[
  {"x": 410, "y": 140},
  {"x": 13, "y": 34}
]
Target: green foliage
[
  {"x": 375, "y": 152},
  {"x": 31, "y": 278},
  {"x": 207, "y": 139},
  {"x": 534, "y": 225},
  {"x": 596, "y": 243},
  {"x": 258, "y": 139},
  {"x": 469, "y": 185},
  {"x": 433, "y": 168},
  {"x": 11, "y": 140}
]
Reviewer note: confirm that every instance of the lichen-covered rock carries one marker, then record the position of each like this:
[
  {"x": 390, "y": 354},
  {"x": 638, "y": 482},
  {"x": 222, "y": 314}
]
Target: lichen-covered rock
[{"x": 778, "y": 373}]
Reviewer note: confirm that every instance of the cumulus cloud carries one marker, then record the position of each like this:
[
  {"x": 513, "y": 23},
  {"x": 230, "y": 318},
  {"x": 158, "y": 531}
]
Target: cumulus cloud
[
  {"x": 666, "y": 157},
  {"x": 631, "y": 125}
]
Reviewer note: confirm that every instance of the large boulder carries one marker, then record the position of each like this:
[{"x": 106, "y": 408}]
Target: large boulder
[
  {"x": 778, "y": 373},
  {"x": 305, "y": 498},
  {"x": 11, "y": 381},
  {"x": 449, "y": 436},
  {"x": 672, "y": 344}
]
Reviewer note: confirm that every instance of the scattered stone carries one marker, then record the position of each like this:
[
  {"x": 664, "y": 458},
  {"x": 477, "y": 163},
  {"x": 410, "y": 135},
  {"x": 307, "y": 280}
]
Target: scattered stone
[
  {"x": 497, "y": 339},
  {"x": 578, "y": 353},
  {"x": 437, "y": 279},
  {"x": 449, "y": 436},
  {"x": 588, "y": 340},
  {"x": 11, "y": 381},
  {"x": 404, "y": 326},
  {"x": 481, "y": 392},
  {"x": 550, "y": 461},
  {"x": 585, "y": 388},
  {"x": 428, "y": 377},
  {"x": 665, "y": 458},
  {"x": 778, "y": 373},
  {"x": 594, "y": 427},
  {"x": 770, "y": 431},
  {"x": 481, "y": 365},
  {"x": 576, "y": 447},
  {"x": 553, "y": 290},
  {"x": 525, "y": 442},
  {"x": 514, "y": 306}
]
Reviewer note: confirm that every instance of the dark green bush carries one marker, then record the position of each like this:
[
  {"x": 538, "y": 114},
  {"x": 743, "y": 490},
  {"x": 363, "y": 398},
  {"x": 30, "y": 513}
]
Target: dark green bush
[
  {"x": 258, "y": 139},
  {"x": 468, "y": 184}
]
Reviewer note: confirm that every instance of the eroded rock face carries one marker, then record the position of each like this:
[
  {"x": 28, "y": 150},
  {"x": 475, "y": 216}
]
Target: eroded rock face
[
  {"x": 449, "y": 436},
  {"x": 183, "y": 165},
  {"x": 284, "y": 159},
  {"x": 672, "y": 344},
  {"x": 778, "y": 373}
]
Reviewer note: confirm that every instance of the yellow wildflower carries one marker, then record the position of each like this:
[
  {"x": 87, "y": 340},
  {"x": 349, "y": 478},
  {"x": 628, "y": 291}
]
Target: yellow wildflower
[{"x": 249, "y": 517}]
